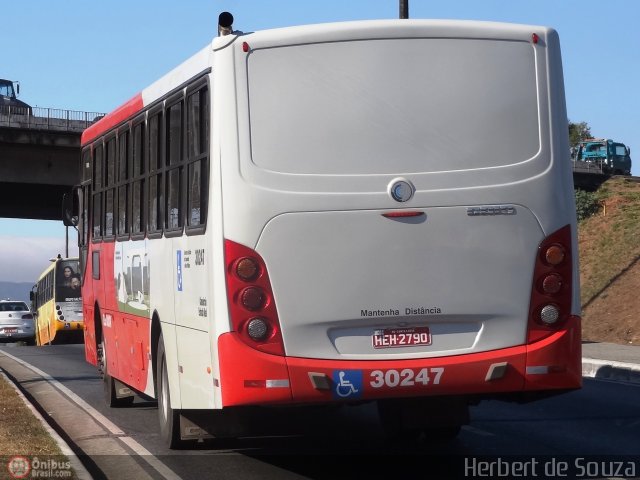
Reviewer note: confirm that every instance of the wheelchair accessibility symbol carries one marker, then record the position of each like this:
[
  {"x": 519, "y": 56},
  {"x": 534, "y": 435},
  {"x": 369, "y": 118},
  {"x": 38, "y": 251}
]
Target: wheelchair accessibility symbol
[{"x": 347, "y": 384}]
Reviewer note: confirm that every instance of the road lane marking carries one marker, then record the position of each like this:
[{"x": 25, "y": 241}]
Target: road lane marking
[
  {"x": 148, "y": 457},
  {"x": 119, "y": 434}
]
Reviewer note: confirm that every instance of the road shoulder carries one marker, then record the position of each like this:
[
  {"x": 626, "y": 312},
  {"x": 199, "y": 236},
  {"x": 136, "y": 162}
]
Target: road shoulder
[{"x": 103, "y": 454}]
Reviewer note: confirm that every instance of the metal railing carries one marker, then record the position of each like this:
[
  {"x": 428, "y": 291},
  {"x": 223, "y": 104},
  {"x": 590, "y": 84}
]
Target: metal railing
[
  {"x": 40, "y": 118},
  {"x": 580, "y": 166}
]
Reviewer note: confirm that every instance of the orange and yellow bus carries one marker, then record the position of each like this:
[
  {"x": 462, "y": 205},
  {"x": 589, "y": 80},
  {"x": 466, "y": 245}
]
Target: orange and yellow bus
[{"x": 57, "y": 303}]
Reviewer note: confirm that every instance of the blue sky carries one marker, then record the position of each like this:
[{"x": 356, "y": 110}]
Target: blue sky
[{"x": 92, "y": 55}]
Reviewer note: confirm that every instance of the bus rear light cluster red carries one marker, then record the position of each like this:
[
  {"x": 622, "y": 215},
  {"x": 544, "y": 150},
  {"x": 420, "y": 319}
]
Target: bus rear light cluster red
[
  {"x": 552, "y": 284},
  {"x": 552, "y": 291},
  {"x": 247, "y": 269},
  {"x": 554, "y": 255},
  {"x": 252, "y": 298},
  {"x": 251, "y": 305}
]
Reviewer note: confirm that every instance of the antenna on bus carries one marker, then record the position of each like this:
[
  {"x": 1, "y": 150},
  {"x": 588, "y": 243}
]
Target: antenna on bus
[
  {"x": 225, "y": 24},
  {"x": 404, "y": 9}
]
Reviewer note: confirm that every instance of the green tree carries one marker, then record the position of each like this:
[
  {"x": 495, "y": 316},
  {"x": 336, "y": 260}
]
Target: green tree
[{"x": 578, "y": 132}]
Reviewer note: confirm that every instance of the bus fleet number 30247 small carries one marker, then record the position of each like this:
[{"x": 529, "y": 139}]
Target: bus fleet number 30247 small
[{"x": 407, "y": 377}]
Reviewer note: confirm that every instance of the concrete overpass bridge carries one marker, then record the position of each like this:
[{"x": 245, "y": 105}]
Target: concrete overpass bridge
[{"x": 39, "y": 159}]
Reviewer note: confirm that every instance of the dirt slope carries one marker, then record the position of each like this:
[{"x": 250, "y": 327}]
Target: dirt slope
[{"x": 609, "y": 245}]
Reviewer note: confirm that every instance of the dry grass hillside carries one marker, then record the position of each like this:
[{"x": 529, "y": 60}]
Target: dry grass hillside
[{"x": 609, "y": 244}]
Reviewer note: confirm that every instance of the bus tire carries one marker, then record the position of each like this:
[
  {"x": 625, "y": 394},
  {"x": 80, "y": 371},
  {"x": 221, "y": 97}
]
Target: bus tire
[
  {"x": 168, "y": 417},
  {"x": 109, "y": 383}
]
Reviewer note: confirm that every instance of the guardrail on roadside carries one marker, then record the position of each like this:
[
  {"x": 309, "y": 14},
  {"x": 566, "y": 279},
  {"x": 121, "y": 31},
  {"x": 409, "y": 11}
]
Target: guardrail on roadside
[{"x": 41, "y": 118}]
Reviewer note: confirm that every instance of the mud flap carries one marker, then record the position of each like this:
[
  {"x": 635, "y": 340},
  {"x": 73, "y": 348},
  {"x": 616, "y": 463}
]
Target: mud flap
[
  {"x": 121, "y": 390},
  {"x": 190, "y": 430},
  {"x": 235, "y": 422}
]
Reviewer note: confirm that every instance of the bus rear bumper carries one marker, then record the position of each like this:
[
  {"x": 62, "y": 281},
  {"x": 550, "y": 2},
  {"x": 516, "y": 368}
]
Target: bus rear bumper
[{"x": 250, "y": 377}]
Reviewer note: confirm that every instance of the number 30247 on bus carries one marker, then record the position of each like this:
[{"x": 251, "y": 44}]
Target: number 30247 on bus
[{"x": 401, "y": 337}]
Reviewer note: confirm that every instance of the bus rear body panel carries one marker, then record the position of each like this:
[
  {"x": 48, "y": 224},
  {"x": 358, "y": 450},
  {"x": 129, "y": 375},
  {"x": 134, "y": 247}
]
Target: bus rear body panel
[
  {"x": 397, "y": 184},
  {"x": 347, "y": 275}
]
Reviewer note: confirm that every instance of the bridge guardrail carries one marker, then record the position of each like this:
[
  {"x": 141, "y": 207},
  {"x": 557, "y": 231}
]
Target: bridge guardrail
[
  {"x": 587, "y": 167},
  {"x": 42, "y": 118}
]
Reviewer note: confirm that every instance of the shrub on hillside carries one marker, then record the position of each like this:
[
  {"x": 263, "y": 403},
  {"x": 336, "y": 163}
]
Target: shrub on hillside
[{"x": 587, "y": 204}]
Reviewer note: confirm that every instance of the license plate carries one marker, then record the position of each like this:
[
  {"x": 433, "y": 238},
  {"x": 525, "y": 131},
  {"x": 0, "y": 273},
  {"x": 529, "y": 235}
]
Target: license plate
[
  {"x": 10, "y": 330},
  {"x": 401, "y": 337}
]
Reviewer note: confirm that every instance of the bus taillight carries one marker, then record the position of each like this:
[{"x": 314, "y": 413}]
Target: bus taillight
[
  {"x": 552, "y": 292},
  {"x": 251, "y": 304},
  {"x": 253, "y": 298},
  {"x": 247, "y": 269}
]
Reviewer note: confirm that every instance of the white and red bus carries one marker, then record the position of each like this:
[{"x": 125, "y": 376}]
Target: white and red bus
[{"x": 362, "y": 211}]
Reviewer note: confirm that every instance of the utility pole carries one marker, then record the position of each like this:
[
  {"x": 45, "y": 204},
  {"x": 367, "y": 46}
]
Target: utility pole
[{"x": 404, "y": 9}]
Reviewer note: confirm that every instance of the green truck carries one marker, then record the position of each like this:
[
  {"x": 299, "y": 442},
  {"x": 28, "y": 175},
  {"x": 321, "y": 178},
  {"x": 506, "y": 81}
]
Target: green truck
[{"x": 602, "y": 156}]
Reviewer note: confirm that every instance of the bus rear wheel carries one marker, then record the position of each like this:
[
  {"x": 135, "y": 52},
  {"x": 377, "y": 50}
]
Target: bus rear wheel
[{"x": 169, "y": 418}]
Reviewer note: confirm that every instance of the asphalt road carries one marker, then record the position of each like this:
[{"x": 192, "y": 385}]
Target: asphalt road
[{"x": 602, "y": 419}]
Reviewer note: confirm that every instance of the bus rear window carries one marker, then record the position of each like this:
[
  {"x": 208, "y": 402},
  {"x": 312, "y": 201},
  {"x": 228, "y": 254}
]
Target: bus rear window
[
  {"x": 68, "y": 280},
  {"x": 390, "y": 106}
]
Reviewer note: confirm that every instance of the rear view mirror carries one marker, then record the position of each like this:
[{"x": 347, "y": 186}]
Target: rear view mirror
[{"x": 69, "y": 210}]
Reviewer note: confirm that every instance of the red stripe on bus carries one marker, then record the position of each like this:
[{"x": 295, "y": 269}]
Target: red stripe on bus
[
  {"x": 553, "y": 363},
  {"x": 120, "y": 114},
  {"x": 242, "y": 368}
]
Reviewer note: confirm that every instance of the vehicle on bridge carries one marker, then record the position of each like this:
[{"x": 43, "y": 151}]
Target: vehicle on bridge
[
  {"x": 9, "y": 98},
  {"x": 301, "y": 217},
  {"x": 57, "y": 304},
  {"x": 16, "y": 322},
  {"x": 604, "y": 156}
]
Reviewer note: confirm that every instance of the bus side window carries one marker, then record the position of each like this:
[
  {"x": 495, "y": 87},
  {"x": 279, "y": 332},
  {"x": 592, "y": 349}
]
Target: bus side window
[
  {"x": 109, "y": 182},
  {"x": 197, "y": 158},
  {"x": 123, "y": 161},
  {"x": 97, "y": 192},
  {"x": 174, "y": 174},
  {"x": 83, "y": 226},
  {"x": 138, "y": 181},
  {"x": 156, "y": 190}
]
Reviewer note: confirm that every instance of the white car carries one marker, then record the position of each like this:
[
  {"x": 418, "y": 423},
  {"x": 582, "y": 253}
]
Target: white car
[{"x": 16, "y": 321}]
